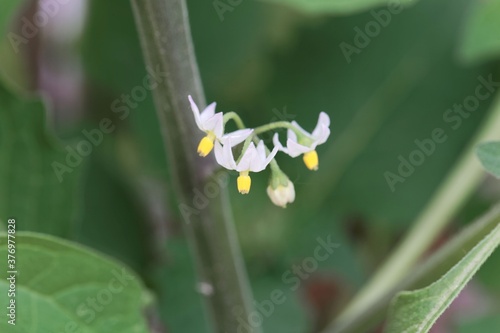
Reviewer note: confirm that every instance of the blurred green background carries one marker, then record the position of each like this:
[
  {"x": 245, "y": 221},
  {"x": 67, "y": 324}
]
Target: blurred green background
[{"x": 268, "y": 61}]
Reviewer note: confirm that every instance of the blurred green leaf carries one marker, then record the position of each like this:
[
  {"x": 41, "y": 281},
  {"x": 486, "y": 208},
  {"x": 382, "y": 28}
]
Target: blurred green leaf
[
  {"x": 62, "y": 287},
  {"x": 231, "y": 46},
  {"x": 8, "y": 8},
  {"x": 38, "y": 187},
  {"x": 480, "y": 325},
  {"x": 112, "y": 58},
  {"x": 489, "y": 155},
  {"x": 105, "y": 188},
  {"x": 285, "y": 316},
  {"x": 12, "y": 71},
  {"x": 417, "y": 311},
  {"x": 398, "y": 86},
  {"x": 181, "y": 302},
  {"x": 481, "y": 39},
  {"x": 432, "y": 269},
  {"x": 339, "y": 6},
  {"x": 114, "y": 66},
  {"x": 489, "y": 273},
  {"x": 110, "y": 48}
]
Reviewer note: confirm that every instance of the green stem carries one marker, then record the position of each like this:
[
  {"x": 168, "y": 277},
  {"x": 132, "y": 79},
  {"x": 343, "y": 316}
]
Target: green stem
[
  {"x": 273, "y": 164},
  {"x": 234, "y": 117},
  {"x": 449, "y": 198},
  {"x": 276, "y": 125},
  {"x": 166, "y": 41}
]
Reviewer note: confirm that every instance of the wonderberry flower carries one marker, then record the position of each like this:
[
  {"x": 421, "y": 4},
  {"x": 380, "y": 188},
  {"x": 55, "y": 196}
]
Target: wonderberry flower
[
  {"x": 252, "y": 159},
  {"x": 307, "y": 142},
  {"x": 213, "y": 125}
]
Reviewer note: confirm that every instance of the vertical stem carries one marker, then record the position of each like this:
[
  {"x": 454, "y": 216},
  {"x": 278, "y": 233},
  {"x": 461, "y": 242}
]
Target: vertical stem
[{"x": 166, "y": 41}]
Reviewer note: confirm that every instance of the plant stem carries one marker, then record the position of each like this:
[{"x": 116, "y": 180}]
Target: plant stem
[
  {"x": 235, "y": 117},
  {"x": 449, "y": 198},
  {"x": 276, "y": 125},
  {"x": 166, "y": 41}
]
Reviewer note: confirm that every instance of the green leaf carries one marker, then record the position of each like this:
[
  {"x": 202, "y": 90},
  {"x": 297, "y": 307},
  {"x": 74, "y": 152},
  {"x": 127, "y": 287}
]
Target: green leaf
[
  {"x": 30, "y": 189},
  {"x": 481, "y": 39},
  {"x": 338, "y": 6},
  {"x": 489, "y": 154},
  {"x": 429, "y": 271},
  {"x": 484, "y": 324},
  {"x": 417, "y": 311},
  {"x": 63, "y": 287},
  {"x": 11, "y": 45}
]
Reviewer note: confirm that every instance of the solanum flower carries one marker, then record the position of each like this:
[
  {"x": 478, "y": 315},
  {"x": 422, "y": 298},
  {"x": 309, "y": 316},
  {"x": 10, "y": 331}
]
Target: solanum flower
[
  {"x": 253, "y": 159},
  {"x": 307, "y": 142},
  {"x": 280, "y": 190},
  {"x": 213, "y": 125}
]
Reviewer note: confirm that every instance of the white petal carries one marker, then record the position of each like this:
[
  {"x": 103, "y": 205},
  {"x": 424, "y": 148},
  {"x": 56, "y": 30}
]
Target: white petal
[
  {"x": 291, "y": 135},
  {"x": 295, "y": 149},
  {"x": 294, "y": 123},
  {"x": 219, "y": 155},
  {"x": 236, "y": 137},
  {"x": 321, "y": 134},
  {"x": 208, "y": 112},
  {"x": 219, "y": 126},
  {"x": 271, "y": 156},
  {"x": 261, "y": 161},
  {"x": 278, "y": 144},
  {"x": 228, "y": 156},
  {"x": 250, "y": 155},
  {"x": 196, "y": 112},
  {"x": 323, "y": 121},
  {"x": 261, "y": 150},
  {"x": 215, "y": 124}
]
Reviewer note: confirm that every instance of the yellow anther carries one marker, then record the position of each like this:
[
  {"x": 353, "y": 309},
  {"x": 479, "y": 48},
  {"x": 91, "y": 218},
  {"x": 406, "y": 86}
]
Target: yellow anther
[
  {"x": 206, "y": 145},
  {"x": 311, "y": 160},
  {"x": 244, "y": 182}
]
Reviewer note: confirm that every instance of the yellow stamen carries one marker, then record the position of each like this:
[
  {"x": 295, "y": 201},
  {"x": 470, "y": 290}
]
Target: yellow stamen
[
  {"x": 244, "y": 182},
  {"x": 206, "y": 145},
  {"x": 311, "y": 160}
]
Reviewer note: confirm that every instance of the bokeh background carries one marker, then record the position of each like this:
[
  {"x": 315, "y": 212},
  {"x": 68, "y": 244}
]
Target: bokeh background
[{"x": 271, "y": 61}]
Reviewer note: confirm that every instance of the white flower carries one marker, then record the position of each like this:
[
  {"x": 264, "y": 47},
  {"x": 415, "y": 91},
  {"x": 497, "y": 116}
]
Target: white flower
[
  {"x": 282, "y": 194},
  {"x": 306, "y": 143},
  {"x": 253, "y": 159},
  {"x": 213, "y": 125}
]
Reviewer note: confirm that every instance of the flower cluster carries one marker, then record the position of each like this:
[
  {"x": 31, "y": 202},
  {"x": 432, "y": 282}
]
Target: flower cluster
[{"x": 254, "y": 155}]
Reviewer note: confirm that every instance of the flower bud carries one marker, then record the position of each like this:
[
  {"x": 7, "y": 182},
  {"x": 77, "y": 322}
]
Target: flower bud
[{"x": 281, "y": 190}]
